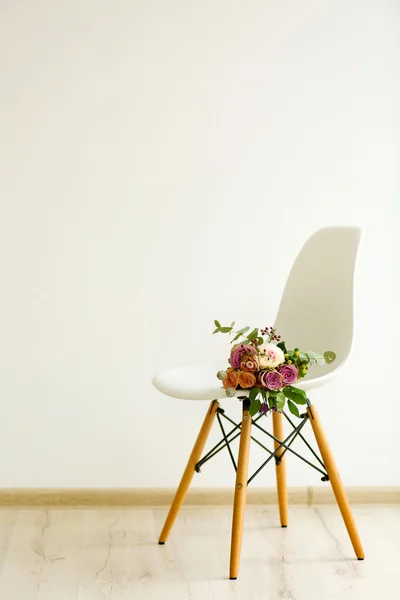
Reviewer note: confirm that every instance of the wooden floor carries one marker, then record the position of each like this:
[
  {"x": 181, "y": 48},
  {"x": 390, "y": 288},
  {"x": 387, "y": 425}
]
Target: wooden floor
[{"x": 113, "y": 554}]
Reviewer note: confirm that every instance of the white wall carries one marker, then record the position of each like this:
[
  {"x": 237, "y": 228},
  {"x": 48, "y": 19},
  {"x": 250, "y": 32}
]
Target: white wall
[{"x": 151, "y": 153}]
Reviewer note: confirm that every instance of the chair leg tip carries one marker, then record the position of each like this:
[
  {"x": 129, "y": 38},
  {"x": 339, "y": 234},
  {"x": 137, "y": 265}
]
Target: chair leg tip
[
  {"x": 161, "y": 543},
  {"x": 358, "y": 558},
  {"x": 283, "y": 525},
  {"x": 232, "y": 578}
]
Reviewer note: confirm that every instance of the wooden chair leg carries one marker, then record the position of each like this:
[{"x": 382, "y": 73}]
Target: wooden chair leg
[
  {"x": 239, "y": 503},
  {"x": 189, "y": 471},
  {"x": 336, "y": 483},
  {"x": 277, "y": 424}
]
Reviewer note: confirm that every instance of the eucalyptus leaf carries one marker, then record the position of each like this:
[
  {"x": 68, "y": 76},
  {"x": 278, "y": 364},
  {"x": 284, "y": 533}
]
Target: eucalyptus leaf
[
  {"x": 315, "y": 357},
  {"x": 253, "y": 335},
  {"x": 255, "y": 406},
  {"x": 215, "y": 331},
  {"x": 225, "y": 329},
  {"x": 243, "y": 330},
  {"x": 239, "y": 333},
  {"x": 293, "y": 408},
  {"x": 217, "y": 323},
  {"x": 329, "y": 356}
]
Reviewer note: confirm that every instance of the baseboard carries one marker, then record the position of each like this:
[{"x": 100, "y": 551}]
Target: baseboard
[{"x": 150, "y": 497}]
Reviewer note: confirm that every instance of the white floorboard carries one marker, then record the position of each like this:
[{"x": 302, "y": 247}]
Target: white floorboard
[{"x": 110, "y": 554}]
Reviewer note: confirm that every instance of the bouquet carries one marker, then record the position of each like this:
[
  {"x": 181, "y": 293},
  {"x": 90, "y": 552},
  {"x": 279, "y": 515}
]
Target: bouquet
[{"x": 262, "y": 364}]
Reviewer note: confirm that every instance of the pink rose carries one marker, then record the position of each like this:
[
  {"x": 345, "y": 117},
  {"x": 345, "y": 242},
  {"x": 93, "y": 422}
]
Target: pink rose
[
  {"x": 271, "y": 380},
  {"x": 289, "y": 373},
  {"x": 239, "y": 352}
]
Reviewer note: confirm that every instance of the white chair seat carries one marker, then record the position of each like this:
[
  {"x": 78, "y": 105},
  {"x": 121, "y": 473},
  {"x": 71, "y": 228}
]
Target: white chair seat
[
  {"x": 191, "y": 382},
  {"x": 199, "y": 382}
]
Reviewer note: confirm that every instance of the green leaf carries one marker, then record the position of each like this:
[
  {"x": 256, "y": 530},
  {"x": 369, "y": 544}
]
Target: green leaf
[
  {"x": 225, "y": 329},
  {"x": 232, "y": 324},
  {"x": 282, "y": 346},
  {"x": 280, "y": 401},
  {"x": 253, "y": 335},
  {"x": 296, "y": 390},
  {"x": 299, "y": 400},
  {"x": 329, "y": 356},
  {"x": 255, "y": 406},
  {"x": 216, "y": 331},
  {"x": 304, "y": 357},
  {"x": 293, "y": 409},
  {"x": 294, "y": 395},
  {"x": 253, "y": 394},
  {"x": 217, "y": 323},
  {"x": 260, "y": 340}
]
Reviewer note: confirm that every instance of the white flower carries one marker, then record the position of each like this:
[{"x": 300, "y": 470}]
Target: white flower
[{"x": 270, "y": 356}]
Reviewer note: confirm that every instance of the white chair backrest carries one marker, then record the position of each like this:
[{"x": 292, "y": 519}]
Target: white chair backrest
[{"x": 316, "y": 310}]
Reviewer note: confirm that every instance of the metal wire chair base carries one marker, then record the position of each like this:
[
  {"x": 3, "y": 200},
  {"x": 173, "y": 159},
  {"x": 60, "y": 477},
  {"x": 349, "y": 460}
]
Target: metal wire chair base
[{"x": 228, "y": 438}]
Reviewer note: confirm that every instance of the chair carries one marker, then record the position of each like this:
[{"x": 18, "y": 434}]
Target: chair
[{"x": 319, "y": 287}]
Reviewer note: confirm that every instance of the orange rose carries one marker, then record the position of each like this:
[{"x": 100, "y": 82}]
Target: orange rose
[
  {"x": 246, "y": 380},
  {"x": 231, "y": 379}
]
